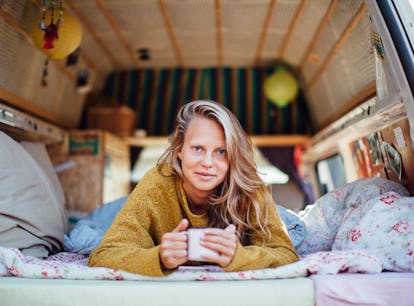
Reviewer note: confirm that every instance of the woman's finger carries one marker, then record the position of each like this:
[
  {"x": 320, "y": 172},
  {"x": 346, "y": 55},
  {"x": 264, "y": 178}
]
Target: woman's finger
[
  {"x": 173, "y": 249},
  {"x": 224, "y": 242}
]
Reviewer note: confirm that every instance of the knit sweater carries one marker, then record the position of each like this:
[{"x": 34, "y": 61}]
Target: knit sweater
[{"x": 156, "y": 206}]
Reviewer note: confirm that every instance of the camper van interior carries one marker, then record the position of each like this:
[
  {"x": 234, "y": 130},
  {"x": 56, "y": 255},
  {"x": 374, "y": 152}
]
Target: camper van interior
[{"x": 89, "y": 90}]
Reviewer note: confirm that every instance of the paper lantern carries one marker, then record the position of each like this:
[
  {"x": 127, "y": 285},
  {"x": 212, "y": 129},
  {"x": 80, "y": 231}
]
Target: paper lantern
[
  {"x": 281, "y": 87},
  {"x": 60, "y": 38}
]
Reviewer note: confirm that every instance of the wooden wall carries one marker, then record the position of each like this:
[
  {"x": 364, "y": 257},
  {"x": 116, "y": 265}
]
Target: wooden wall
[{"x": 387, "y": 153}]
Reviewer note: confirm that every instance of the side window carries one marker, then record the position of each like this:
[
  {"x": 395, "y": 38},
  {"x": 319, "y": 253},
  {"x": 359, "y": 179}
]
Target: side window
[
  {"x": 331, "y": 173},
  {"x": 406, "y": 13}
]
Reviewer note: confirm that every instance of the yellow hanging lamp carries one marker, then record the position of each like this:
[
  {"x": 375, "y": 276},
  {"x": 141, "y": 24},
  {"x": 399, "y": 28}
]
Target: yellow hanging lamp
[
  {"x": 281, "y": 88},
  {"x": 57, "y": 33}
]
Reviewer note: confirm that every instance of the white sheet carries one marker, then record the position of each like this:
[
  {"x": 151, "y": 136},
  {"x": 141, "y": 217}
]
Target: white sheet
[
  {"x": 44, "y": 292},
  {"x": 384, "y": 289}
]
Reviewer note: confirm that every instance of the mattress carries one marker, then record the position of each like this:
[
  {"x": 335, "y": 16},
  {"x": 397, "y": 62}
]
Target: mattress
[
  {"x": 387, "y": 288},
  {"x": 44, "y": 292}
]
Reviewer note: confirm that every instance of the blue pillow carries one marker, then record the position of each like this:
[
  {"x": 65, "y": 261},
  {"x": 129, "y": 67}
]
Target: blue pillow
[
  {"x": 88, "y": 232},
  {"x": 294, "y": 224}
]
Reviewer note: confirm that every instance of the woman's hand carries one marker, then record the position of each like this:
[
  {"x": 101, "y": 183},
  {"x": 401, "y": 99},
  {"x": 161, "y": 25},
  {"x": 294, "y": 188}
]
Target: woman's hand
[
  {"x": 224, "y": 242},
  {"x": 173, "y": 247}
]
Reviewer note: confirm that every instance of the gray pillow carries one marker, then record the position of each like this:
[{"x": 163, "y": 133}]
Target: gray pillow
[{"x": 32, "y": 215}]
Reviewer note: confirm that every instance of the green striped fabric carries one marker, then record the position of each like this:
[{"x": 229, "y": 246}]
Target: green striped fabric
[{"x": 157, "y": 94}]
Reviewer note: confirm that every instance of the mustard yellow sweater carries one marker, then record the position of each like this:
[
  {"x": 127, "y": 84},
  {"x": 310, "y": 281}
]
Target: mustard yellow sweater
[{"x": 156, "y": 206}]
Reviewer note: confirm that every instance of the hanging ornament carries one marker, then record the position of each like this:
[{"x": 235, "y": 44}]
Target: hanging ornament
[
  {"x": 57, "y": 33},
  {"x": 44, "y": 75},
  {"x": 73, "y": 58},
  {"x": 51, "y": 30},
  {"x": 281, "y": 87}
]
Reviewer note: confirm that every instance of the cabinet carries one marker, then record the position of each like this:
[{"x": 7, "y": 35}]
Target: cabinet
[{"x": 95, "y": 168}]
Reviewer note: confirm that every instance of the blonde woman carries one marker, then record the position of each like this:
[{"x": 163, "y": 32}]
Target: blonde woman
[{"x": 205, "y": 178}]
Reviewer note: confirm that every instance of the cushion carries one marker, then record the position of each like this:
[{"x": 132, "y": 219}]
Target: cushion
[
  {"x": 294, "y": 224},
  {"x": 324, "y": 217},
  {"x": 38, "y": 151},
  {"x": 32, "y": 215},
  {"x": 383, "y": 225},
  {"x": 88, "y": 232}
]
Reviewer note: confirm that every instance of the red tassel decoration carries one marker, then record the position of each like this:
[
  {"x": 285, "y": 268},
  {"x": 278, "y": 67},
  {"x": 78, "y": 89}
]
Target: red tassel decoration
[
  {"x": 51, "y": 34},
  {"x": 51, "y": 31},
  {"x": 44, "y": 75}
]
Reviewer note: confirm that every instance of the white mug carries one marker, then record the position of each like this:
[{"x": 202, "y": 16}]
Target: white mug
[{"x": 194, "y": 250}]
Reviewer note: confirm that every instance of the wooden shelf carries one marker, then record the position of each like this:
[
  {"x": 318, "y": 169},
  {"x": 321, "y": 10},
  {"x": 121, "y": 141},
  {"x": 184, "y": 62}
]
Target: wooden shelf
[{"x": 258, "y": 140}]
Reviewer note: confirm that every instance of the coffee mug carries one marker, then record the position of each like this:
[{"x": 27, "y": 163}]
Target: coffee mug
[{"x": 195, "y": 250}]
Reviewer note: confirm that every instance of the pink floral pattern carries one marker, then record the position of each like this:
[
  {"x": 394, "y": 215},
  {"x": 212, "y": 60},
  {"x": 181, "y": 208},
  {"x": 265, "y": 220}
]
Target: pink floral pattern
[
  {"x": 388, "y": 199},
  {"x": 383, "y": 226},
  {"x": 324, "y": 218},
  {"x": 74, "y": 266},
  {"x": 354, "y": 234},
  {"x": 402, "y": 227}
]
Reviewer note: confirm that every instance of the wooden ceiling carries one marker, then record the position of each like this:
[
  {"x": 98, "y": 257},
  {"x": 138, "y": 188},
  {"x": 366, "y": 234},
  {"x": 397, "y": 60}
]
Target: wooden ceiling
[
  {"x": 209, "y": 33},
  {"x": 326, "y": 42}
]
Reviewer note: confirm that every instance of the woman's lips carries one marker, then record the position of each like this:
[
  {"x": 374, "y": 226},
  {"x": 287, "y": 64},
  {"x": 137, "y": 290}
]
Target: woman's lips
[{"x": 204, "y": 174}]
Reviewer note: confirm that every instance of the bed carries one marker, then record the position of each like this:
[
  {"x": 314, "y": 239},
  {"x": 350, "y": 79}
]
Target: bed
[
  {"x": 355, "y": 244},
  {"x": 387, "y": 288},
  {"x": 69, "y": 292},
  {"x": 317, "y": 279}
]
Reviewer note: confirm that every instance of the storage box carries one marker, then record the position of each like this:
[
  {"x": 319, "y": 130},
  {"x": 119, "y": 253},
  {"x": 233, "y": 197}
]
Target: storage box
[
  {"x": 99, "y": 169},
  {"x": 117, "y": 120}
]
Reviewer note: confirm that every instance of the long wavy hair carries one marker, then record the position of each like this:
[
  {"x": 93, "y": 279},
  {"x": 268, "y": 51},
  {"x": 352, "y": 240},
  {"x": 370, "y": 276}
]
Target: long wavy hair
[{"x": 238, "y": 198}]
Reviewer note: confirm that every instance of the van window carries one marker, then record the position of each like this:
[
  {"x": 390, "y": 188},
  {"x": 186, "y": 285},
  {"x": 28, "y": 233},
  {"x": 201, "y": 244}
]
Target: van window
[
  {"x": 331, "y": 173},
  {"x": 406, "y": 13}
]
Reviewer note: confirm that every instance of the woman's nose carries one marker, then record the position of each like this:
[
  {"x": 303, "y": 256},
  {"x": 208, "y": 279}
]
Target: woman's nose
[{"x": 207, "y": 160}]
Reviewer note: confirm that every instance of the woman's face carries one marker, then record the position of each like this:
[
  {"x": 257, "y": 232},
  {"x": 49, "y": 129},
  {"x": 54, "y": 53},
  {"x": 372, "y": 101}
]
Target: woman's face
[{"x": 203, "y": 157}]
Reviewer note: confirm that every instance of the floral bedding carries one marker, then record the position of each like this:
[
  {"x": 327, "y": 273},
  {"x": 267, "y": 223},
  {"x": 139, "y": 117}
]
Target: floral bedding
[
  {"x": 366, "y": 226},
  {"x": 324, "y": 218},
  {"x": 74, "y": 266},
  {"x": 383, "y": 225}
]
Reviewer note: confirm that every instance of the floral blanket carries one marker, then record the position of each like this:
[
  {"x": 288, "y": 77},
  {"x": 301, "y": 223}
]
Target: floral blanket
[
  {"x": 374, "y": 215},
  {"x": 324, "y": 218},
  {"x": 74, "y": 266},
  {"x": 366, "y": 226}
]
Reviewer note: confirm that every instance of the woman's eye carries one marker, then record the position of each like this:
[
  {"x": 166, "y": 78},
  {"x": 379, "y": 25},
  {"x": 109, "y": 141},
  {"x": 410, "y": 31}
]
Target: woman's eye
[
  {"x": 222, "y": 152},
  {"x": 197, "y": 149}
]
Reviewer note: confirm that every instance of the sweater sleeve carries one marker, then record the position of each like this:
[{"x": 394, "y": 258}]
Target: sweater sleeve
[
  {"x": 275, "y": 251},
  {"x": 132, "y": 241},
  {"x": 127, "y": 245}
]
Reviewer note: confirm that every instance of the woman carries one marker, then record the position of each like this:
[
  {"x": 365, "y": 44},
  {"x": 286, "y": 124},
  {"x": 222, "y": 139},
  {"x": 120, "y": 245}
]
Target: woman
[{"x": 205, "y": 178}]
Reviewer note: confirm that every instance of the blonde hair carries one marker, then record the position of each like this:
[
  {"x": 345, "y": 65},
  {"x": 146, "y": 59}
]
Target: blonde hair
[{"x": 242, "y": 190}]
